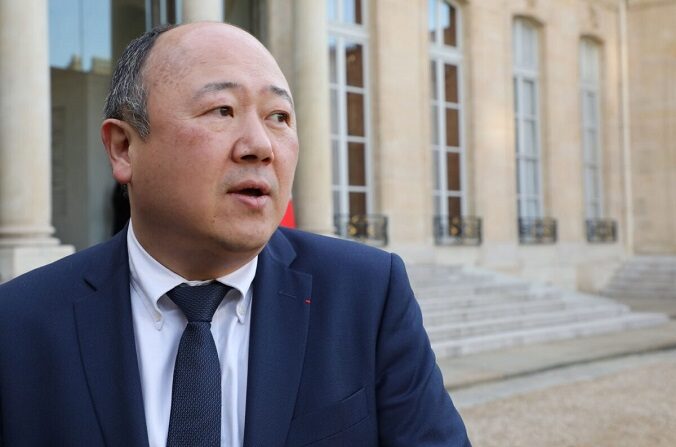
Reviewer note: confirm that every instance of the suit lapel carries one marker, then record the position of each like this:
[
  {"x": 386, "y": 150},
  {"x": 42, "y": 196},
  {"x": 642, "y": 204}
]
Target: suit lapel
[
  {"x": 280, "y": 317},
  {"x": 106, "y": 337}
]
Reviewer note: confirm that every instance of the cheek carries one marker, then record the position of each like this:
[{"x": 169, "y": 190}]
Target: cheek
[
  {"x": 193, "y": 152},
  {"x": 287, "y": 157},
  {"x": 177, "y": 164}
]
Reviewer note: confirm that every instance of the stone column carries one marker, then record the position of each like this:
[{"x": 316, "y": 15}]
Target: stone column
[
  {"x": 312, "y": 188},
  {"x": 26, "y": 232},
  {"x": 197, "y": 10},
  {"x": 400, "y": 108},
  {"x": 492, "y": 117}
]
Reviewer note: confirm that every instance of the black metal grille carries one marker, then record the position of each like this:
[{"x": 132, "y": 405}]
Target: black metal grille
[
  {"x": 456, "y": 230},
  {"x": 601, "y": 230},
  {"x": 537, "y": 230},
  {"x": 370, "y": 228}
]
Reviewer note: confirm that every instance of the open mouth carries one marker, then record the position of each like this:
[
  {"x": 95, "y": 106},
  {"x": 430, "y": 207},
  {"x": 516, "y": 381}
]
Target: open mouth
[{"x": 251, "y": 192}]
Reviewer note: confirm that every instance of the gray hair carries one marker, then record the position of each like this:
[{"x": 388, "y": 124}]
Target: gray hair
[{"x": 128, "y": 96}]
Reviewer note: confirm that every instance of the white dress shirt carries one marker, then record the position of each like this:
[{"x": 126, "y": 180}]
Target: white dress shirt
[{"x": 158, "y": 326}]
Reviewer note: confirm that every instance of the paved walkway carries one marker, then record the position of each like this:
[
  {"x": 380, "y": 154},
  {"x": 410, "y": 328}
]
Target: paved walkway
[
  {"x": 614, "y": 403},
  {"x": 491, "y": 366},
  {"x": 612, "y": 390}
]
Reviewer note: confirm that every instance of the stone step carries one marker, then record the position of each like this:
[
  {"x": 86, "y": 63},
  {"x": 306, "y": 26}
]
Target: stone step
[
  {"x": 615, "y": 292},
  {"x": 629, "y": 277},
  {"x": 630, "y": 294},
  {"x": 468, "y": 345},
  {"x": 469, "y": 289},
  {"x": 643, "y": 277},
  {"x": 432, "y": 304},
  {"x": 491, "y": 311},
  {"x": 503, "y": 324}
]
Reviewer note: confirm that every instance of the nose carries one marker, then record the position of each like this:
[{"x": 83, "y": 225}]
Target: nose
[{"x": 253, "y": 144}]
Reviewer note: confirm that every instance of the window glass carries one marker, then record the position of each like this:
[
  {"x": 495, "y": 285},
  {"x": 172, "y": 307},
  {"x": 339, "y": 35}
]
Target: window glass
[
  {"x": 356, "y": 164},
  {"x": 527, "y": 120},
  {"x": 332, "y": 10},
  {"x": 529, "y": 138},
  {"x": 529, "y": 49},
  {"x": 348, "y": 51},
  {"x": 432, "y": 18},
  {"x": 452, "y": 128},
  {"x": 589, "y": 108},
  {"x": 451, "y": 82},
  {"x": 352, "y": 11},
  {"x": 532, "y": 186},
  {"x": 80, "y": 35},
  {"x": 357, "y": 203},
  {"x": 528, "y": 101},
  {"x": 453, "y": 171},
  {"x": 354, "y": 69},
  {"x": 447, "y": 108},
  {"x": 448, "y": 24},
  {"x": 355, "y": 114},
  {"x": 591, "y": 125},
  {"x": 454, "y": 207}
]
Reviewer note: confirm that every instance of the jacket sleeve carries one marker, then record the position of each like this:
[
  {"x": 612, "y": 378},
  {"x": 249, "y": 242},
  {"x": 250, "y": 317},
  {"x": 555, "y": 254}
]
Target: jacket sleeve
[{"x": 414, "y": 409}]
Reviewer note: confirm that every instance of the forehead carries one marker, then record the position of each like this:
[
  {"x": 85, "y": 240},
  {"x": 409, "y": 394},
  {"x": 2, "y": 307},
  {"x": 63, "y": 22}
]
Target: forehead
[{"x": 191, "y": 57}]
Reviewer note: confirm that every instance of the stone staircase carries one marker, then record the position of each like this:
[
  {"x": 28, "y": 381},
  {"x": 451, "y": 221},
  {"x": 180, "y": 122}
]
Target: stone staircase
[
  {"x": 467, "y": 310},
  {"x": 644, "y": 277}
]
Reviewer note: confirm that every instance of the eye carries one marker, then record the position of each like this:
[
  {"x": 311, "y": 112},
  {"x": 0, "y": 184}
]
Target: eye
[
  {"x": 281, "y": 117},
  {"x": 225, "y": 111}
]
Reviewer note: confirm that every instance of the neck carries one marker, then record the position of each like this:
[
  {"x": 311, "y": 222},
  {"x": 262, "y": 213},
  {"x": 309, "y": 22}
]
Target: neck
[{"x": 189, "y": 260}]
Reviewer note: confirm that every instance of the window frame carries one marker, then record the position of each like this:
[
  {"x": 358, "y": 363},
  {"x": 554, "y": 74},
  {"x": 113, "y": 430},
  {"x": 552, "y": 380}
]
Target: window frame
[
  {"x": 150, "y": 6},
  {"x": 441, "y": 55},
  {"x": 344, "y": 33},
  {"x": 592, "y": 158},
  {"x": 528, "y": 165}
]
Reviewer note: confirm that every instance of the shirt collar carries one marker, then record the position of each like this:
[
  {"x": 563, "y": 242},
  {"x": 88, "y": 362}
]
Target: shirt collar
[{"x": 152, "y": 280}]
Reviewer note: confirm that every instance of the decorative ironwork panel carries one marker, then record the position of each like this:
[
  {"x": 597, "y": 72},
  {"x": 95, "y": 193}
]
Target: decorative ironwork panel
[
  {"x": 456, "y": 230},
  {"x": 537, "y": 230},
  {"x": 370, "y": 228},
  {"x": 601, "y": 230}
]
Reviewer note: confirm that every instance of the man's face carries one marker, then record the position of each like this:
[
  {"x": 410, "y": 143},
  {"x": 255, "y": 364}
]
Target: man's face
[{"x": 216, "y": 171}]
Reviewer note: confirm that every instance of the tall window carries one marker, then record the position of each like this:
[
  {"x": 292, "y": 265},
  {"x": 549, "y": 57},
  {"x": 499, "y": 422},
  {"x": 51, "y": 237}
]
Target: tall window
[
  {"x": 350, "y": 144},
  {"x": 527, "y": 118},
  {"x": 591, "y": 127},
  {"x": 448, "y": 152},
  {"x": 159, "y": 12}
]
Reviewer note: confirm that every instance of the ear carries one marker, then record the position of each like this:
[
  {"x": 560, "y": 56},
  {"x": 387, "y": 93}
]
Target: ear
[{"x": 117, "y": 137}]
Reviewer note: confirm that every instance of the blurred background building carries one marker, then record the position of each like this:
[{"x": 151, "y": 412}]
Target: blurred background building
[{"x": 532, "y": 137}]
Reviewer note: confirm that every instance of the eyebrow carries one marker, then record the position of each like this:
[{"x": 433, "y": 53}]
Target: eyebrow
[
  {"x": 227, "y": 85},
  {"x": 215, "y": 87},
  {"x": 281, "y": 92}
]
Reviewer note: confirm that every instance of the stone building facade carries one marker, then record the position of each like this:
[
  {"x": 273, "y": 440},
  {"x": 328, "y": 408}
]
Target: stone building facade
[{"x": 529, "y": 136}]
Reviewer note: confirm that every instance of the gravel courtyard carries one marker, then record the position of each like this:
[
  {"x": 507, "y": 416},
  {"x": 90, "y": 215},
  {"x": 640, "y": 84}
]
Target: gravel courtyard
[{"x": 632, "y": 407}]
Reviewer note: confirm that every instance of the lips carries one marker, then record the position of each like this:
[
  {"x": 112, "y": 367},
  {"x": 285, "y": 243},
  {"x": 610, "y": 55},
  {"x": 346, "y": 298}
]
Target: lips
[
  {"x": 252, "y": 193},
  {"x": 252, "y": 188}
]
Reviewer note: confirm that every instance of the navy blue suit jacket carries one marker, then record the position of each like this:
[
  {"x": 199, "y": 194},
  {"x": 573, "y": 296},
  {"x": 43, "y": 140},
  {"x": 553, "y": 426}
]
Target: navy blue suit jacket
[{"x": 338, "y": 355}]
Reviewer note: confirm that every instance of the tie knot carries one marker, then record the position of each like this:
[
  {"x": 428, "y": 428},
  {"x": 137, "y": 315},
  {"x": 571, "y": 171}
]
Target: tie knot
[{"x": 198, "y": 303}]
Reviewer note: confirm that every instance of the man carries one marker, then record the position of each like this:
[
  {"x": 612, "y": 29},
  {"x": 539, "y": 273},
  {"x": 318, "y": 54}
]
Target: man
[{"x": 309, "y": 340}]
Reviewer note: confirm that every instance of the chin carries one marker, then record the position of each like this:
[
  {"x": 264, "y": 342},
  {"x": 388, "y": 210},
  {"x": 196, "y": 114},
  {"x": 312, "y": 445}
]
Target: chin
[{"x": 249, "y": 240}]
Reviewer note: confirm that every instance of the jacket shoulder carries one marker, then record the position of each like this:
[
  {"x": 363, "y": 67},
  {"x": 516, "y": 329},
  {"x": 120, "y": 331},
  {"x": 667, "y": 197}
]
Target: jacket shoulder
[{"x": 333, "y": 250}]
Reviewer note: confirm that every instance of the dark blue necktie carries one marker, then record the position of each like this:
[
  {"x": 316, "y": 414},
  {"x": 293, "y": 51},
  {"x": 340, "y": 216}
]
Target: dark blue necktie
[{"x": 196, "y": 392}]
